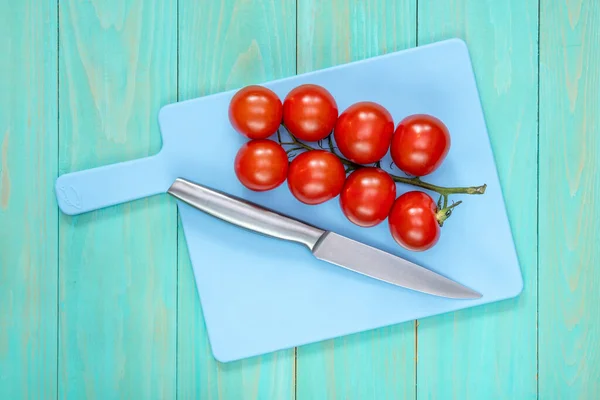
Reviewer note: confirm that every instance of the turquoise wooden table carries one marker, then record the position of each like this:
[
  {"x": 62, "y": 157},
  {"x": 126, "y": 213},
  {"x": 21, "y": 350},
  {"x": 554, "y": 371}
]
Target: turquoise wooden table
[{"x": 104, "y": 305}]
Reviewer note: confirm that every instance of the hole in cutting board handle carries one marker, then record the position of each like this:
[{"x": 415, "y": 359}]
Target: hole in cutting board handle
[{"x": 96, "y": 188}]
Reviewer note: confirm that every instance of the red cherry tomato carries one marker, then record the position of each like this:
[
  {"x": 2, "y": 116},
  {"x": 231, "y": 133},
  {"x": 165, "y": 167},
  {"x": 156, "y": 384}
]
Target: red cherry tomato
[
  {"x": 316, "y": 176},
  {"x": 309, "y": 112},
  {"x": 255, "y": 112},
  {"x": 412, "y": 221},
  {"x": 367, "y": 196},
  {"x": 363, "y": 132},
  {"x": 420, "y": 144},
  {"x": 261, "y": 164}
]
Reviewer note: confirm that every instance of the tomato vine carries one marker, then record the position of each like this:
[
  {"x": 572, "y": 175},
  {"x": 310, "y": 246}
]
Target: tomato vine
[
  {"x": 346, "y": 159},
  {"x": 443, "y": 191}
]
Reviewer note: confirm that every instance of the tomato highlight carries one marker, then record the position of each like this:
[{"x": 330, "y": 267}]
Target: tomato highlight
[
  {"x": 367, "y": 196},
  {"x": 309, "y": 112},
  {"x": 261, "y": 164},
  {"x": 255, "y": 112},
  {"x": 316, "y": 176},
  {"x": 413, "y": 221},
  {"x": 420, "y": 144},
  {"x": 363, "y": 132}
]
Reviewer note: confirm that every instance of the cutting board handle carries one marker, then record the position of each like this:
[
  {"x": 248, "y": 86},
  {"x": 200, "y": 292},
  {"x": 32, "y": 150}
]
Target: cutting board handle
[{"x": 100, "y": 187}]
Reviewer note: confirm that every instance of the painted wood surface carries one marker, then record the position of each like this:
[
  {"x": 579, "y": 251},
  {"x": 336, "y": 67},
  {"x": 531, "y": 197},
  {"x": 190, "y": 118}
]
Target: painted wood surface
[
  {"x": 224, "y": 45},
  {"x": 28, "y": 211},
  {"x": 104, "y": 305},
  {"x": 379, "y": 364},
  {"x": 489, "y": 352},
  {"x": 569, "y": 305},
  {"x": 118, "y": 266}
]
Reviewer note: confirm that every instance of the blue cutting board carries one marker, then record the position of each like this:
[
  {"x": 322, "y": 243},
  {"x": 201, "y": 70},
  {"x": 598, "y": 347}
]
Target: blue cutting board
[{"x": 261, "y": 294}]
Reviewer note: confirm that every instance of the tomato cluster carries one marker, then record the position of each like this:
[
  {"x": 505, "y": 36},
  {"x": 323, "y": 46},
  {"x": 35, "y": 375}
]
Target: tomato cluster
[{"x": 363, "y": 133}]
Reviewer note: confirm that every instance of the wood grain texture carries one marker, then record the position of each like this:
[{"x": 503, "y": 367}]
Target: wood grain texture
[
  {"x": 378, "y": 364},
  {"x": 128, "y": 323},
  {"x": 489, "y": 352},
  {"x": 28, "y": 216},
  {"x": 224, "y": 45},
  {"x": 118, "y": 266},
  {"x": 569, "y": 310}
]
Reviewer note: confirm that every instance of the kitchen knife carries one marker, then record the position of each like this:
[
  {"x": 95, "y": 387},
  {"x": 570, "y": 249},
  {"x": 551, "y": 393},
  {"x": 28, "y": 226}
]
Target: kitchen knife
[{"x": 324, "y": 245}]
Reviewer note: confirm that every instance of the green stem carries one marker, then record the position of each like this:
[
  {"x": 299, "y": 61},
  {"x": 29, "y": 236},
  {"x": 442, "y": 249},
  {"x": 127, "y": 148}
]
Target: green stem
[
  {"x": 293, "y": 149},
  {"x": 416, "y": 181},
  {"x": 443, "y": 214},
  {"x": 305, "y": 146},
  {"x": 330, "y": 141},
  {"x": 444, "y": 191}
]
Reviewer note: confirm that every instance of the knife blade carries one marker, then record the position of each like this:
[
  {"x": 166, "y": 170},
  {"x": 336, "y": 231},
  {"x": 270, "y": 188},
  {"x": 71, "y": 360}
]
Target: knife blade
[{"x": 325, "y": 245}]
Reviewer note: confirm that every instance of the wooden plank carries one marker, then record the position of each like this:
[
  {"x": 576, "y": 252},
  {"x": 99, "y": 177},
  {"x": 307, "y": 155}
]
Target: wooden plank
[
  {"x": 569, "y": 315},
  {"x": 377, "y": 364},
  {"x": 28, "y": 218},
  {"x": 224, "y": 45},
  {"x": 118, "y": 266},
  {"x": 489, "y": 352}
]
